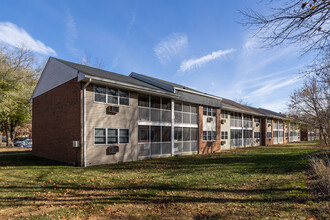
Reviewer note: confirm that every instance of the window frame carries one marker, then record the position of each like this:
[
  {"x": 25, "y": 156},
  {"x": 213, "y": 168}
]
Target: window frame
[
  {"x": 105, "y": 133},
  {"x": 106, "y": 95},
  {"x": 224, "y": 135},
  {"x": 224, "y": 114},
  {"x": 118, "y": 136}
]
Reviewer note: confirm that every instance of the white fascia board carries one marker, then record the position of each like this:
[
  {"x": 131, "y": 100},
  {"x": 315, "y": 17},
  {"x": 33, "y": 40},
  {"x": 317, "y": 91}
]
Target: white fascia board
[
  {"x": 54, "y": 74},
  {"x": 127, "y": 86}
]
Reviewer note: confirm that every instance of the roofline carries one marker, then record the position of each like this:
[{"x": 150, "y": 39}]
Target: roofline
[
  {"x": 151, "y": 81},
  {"x": 82, "y": 77},
  {"x": 242, "y": 111},
  {"x": 198, "y": 93}
]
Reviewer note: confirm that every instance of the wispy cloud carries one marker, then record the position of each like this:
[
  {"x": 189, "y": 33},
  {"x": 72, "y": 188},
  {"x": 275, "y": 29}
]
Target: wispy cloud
[
  {"x": 273, "y": 84},
  {"x": 128, "y": 31},
  {"x": 71, "y": 35},
  {"x": 15, "y": 36},
  {"x": 170, "y": 46},
  {"x": 195, "y": 63}
]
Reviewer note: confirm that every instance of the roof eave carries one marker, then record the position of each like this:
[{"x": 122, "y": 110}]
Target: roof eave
[{"x": 82, "y": 77}]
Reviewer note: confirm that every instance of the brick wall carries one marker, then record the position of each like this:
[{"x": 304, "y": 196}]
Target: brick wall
[
  {"x": 208, "y": 146},
  {"x": 57, "y": 121}
]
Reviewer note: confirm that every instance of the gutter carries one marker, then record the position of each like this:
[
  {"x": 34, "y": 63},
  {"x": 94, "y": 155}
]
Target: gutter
[{"x": 84, "y": 121}]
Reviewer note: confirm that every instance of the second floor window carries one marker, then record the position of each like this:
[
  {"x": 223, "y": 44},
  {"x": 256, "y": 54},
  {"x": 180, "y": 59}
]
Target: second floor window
[{"x": 111, "y": 96}]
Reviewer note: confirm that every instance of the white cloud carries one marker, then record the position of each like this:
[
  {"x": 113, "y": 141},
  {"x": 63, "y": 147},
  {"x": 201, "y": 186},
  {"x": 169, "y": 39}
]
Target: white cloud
[
  {"x": 15, "y": 36},
  {"x": 195, "y": 63},
  {"x": 170, "y": 46}
]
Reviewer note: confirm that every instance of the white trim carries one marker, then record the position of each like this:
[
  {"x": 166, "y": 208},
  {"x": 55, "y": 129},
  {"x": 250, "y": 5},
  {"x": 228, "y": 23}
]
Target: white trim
[
  {"x": 172, "y": 127},
  {"x": 183, "y": 125},
  {"x": 155, "y": 123},
  {"x": 84, "y": 122}
]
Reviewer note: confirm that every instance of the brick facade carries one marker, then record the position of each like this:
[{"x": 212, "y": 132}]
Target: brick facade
[
  {"x": 205, "y": 147},
  {"x": 57, "y": 122}
]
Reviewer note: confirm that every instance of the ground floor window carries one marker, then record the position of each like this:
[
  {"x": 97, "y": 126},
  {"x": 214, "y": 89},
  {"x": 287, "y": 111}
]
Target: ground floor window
[
  {"x": 236, "y": 137},
  {"x": 154, "y": 140},
  {"x": 269, "y": 134},
  {"x": 185, "y": 140},
  {"x": 209, "y": 135},
  {"x": 224, "y": 135},
  {"x": 111, "y": 136},
  {"x": 256, "y": 134}
]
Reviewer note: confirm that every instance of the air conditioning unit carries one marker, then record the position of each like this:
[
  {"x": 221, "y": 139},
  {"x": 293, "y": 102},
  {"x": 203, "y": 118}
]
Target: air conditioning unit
[
  {"x": 223, "y": 121},
  {"x": 257, "y": 124},
  {"x": 209, "y": 119},
  {"x": 113, "y": 149},
  {"x": 223, "y": 142},
  {"x": 112, "y": 109}
]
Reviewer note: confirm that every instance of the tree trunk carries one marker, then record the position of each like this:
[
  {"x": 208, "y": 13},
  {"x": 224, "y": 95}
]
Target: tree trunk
[{"x": 324, "y": 136}]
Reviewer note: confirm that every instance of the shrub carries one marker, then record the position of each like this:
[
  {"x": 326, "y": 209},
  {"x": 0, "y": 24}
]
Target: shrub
[{"x": 320, "y": 168}]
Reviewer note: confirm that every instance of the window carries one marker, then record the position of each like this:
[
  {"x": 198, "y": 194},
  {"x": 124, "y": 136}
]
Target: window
[
  {"x": 166, "y": 134},
  {"x": 235, "y": 134},
  {"x": 209, "y": 135},
  {"x": 110, "y": 95},
  {"x": 185, "y": 113},
  {"x": 153, "y": 108},
  {"x": 100, "y": 93},
  {"x": 247, "y": 133},
  {"x": 286, "y": 134},
  {"x": 204, "y": 135},
  {"x": 143, "y": 133},
  {"x": 113, "y": 96},
  {"x": 256, "y": 134},
  {"x": 224, "y": 135},
  {"x": 178, "y": 134},
  {"x": 110, "y": 136},
  {"x": 209, "y": 111},
  {"x": 269, "y": 134},
  {"x": 99, "y": 136},
  {"x": 155, "y": 134},
  {"x": 235, "y": 119},
  {"x": 123, "y": 136},
  {"x": 269, "y": 121},
  {"x": 256, "y": 119},
  {"x": 224, "y": 114}
]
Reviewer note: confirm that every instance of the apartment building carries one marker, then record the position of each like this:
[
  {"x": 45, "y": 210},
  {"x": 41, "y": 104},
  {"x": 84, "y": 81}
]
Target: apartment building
[{"x": 87, "y": 116}]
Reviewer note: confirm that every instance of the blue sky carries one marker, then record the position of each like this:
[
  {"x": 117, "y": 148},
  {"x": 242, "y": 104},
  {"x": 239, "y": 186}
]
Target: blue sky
[{"x": 199, "y": 44}]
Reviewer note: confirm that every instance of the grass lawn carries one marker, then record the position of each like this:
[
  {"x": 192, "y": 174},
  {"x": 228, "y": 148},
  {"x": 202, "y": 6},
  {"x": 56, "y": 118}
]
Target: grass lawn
[{"x": 260, "y": 182}]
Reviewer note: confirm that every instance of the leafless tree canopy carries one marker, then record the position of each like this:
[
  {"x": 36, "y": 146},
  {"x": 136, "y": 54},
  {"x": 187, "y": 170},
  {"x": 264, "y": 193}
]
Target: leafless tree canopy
[
  {"x": 305, "y": 23},
  {"x": 292, "y": 21},
  {"x": 311, "y": 103}
]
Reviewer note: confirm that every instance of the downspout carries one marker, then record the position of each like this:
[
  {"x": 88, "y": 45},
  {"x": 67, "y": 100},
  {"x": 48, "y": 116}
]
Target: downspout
[{"x": 84, "y": 121}]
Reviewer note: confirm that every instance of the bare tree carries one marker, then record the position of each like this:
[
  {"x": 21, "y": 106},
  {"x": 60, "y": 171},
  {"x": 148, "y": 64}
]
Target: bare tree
[
  {"x": 311, "y": 103},
  {"x": 305, "y": 23},
  {"x": 86, "y": 59}
]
